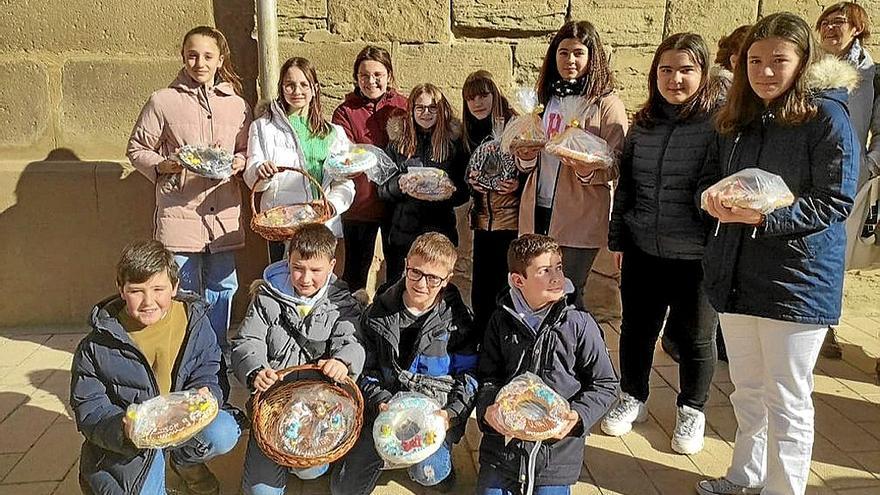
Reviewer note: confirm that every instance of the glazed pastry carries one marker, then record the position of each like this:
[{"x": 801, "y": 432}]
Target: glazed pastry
[
  {"x": 530, "y": 410},
  {"x": 410, "y": 430},
  {"x": 350, "y": 163},
  {"x": 208, "y": 161},
  {"x": 316, "y": 420},
  {"x": 172, "y": 419},
  {"x": 427, "y": 183}
]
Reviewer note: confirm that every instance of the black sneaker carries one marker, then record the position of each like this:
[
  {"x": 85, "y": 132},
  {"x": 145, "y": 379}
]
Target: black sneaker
[
  {"x": 447, "y": 485},
  {"x": 831, "y": 347}
]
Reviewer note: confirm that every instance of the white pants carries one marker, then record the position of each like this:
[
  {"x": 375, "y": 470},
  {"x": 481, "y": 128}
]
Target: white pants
[{"x": 771, "y": 367}]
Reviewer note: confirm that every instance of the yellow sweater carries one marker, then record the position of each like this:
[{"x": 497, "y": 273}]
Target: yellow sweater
[{"x": 160, "y": 342}]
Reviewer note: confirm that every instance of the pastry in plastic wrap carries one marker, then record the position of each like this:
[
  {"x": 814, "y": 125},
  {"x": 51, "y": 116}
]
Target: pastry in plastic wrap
[
  {"x": 172, "y": 419},
  {"x": 527, "y": 129},
  {"x": 289, "y": 216},
  {"x": 427, "y": 183},
  {"x": 410, "y": 430},
  {"x": 211, "y": 162},
  {"x": 575, "y": 143},
  {"x": 356, "y": 160},
  {"x": 530, "y": 410},
  {"x": 751, "y": 188},
  {"x": 316, "y": 420},
  {"x": 491, "y": 166}
]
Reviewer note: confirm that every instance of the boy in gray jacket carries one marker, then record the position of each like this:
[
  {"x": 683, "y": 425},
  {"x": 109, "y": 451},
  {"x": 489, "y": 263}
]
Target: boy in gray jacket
[{"x": 300, "y": 313}]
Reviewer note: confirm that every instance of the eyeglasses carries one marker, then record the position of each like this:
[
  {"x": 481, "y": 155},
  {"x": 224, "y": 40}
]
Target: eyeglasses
[
  {"x": 368, "y": 77},
  {"x": 414, "y": 275},
  {"x": 432, "y": 109},
  {"x": 833, "y": 23}
]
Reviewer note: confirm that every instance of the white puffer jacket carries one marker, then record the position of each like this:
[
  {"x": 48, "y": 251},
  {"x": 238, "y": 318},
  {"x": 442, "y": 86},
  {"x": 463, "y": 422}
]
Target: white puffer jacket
[{"x": 271, "y": 138}]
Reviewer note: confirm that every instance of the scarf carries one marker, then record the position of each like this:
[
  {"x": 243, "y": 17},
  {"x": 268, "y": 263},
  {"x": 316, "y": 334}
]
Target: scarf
[{"x": 569, "y": 87}]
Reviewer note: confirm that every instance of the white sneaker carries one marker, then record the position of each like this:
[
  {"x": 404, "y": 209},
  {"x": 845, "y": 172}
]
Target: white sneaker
[
  {"x": 625, "y": 411},
  {"x": 690, "y": 427},
  {"x": 723, "y": 486}
]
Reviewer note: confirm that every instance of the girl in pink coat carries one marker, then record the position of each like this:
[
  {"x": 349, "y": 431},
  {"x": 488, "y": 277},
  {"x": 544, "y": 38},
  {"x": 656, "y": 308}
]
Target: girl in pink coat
[{"x": 197, "y": 218}]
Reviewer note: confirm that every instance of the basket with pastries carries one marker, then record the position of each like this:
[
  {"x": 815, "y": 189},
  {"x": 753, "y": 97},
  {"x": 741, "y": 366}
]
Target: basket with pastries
[
  {"x": 280, "y": 223},
  {"x": 305, "y": 420}
]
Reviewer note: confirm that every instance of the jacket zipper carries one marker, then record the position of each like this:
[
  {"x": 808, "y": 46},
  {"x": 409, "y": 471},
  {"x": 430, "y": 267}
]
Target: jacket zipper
[
  {"x": 489, "y": 210},
  {"x": 727, "y": 172},
  {"x": 657, "y": 186}
]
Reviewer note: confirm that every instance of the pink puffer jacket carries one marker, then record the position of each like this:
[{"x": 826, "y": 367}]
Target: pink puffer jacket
[{"x": 201, "y": 214}]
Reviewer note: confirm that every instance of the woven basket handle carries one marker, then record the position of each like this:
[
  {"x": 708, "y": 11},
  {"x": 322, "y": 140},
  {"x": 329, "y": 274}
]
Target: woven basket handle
[
  {"x": 282, "y": 374},
  {"x": 324, "y": 202}
]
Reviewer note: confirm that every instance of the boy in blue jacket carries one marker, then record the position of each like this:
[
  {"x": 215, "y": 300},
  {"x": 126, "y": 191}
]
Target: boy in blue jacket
[
  {"x": 535, "y": 329},
  {"x": 418, "y": 336},
  {"x": 147, "y": 341}
]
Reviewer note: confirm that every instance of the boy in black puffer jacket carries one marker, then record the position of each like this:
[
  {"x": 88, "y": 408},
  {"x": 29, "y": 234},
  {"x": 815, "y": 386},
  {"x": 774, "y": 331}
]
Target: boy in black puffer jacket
[
  {"x": 148, "y": 340},
  {"x": 535, "y": 329}
]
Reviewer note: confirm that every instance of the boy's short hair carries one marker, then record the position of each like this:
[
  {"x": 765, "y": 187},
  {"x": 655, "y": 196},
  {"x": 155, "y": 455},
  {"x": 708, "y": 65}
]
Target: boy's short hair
[
  {"x": 141, "y": 260},
  {"x": 313, "y": 240},
  {"x": 434, "y": 247},
  {"x": 526, "y": 248}
]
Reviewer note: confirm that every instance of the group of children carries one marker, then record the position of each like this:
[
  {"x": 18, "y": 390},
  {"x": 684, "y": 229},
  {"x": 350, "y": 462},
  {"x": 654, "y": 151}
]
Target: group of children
[{"x": 773, "y": 279}]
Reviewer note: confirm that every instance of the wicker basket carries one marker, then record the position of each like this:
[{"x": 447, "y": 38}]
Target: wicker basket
[
  {"x": 268, "y": 407},
  {"x": 260, "y": 220}
]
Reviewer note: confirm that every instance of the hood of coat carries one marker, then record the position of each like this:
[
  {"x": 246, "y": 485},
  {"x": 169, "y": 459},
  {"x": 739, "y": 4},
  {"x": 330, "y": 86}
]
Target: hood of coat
[
  {"x": 275, "y": 284},
  {"x": 395, "y": 127},
  {"x": 830, "y": 74},
  {"x": 187, "y": 84}
]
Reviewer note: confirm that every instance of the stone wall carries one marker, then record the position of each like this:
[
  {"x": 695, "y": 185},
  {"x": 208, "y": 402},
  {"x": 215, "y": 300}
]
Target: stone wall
[{"x": 75, "y": 74}]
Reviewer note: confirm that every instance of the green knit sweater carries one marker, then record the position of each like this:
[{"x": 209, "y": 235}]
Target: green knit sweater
[{"x": 315, "y": 148}]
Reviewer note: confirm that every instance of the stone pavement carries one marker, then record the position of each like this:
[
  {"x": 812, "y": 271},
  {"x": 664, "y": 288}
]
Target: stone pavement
[{"x": 39, "y": 444}]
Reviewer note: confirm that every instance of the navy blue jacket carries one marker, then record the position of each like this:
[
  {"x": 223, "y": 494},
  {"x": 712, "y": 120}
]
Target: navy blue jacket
[
  {"x": 791, "y": 267},
  {"x": 654, "y": 208},
  {"x": 568, "y": 353},
  {"x": 109, "y": 373},
  {"x": 446, "y": 346}
]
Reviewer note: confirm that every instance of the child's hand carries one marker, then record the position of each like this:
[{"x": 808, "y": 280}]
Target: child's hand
[
  {"x": 734, "y": 214},
  {"x": 491, "y": 419},
  {"x": 573, "y": 419},
  {"x": 238, "y": 164},
  {"x": 508, "y": 186},
  {"x": 169, "y": 167},
  {"x": 472, "y": 180},
  {"x": 265, "y": 379},
  {"x": 333, "y": 369},
  {"x": 266, "y": 170},
  {"x": 383, "y": 406},
  {"x": 443, "y": 413},
  {"x": 127, "y": 425}
]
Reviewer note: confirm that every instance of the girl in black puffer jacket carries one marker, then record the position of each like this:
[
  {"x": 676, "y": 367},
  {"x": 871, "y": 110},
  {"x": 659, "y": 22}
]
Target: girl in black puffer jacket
[
  {"x": 659, "y": 232},
  {"x": 428, "y": 135}
]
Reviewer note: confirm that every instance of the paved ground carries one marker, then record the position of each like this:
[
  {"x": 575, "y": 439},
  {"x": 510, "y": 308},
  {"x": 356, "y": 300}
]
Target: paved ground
[{"x": 39, "y": 444}]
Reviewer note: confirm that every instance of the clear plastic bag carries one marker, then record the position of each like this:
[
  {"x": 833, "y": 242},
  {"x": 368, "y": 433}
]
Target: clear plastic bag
[
  {"x": 316, "y": 420},
  {"x": 575, "y": 143},
  {"x": 172, "y": 419},
  {"x": 212, "y": 162},
  {"x": 530, "y": 410},
  {"x": 751, "y": 188},
  {"x": 290, "y": 216},
  {"x": 361, "y": 158},
  {"x": 427, "y": 183},
  {"x": 525, "y": 130},
  {"x": 409, "y": 431},
  {"x": 490, "y": 166}
]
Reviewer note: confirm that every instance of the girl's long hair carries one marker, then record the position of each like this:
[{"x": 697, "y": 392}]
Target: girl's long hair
[
  {"x": 441, "y": 134},
  {"x": 481, "y": 83},
  {"x": 227, "y": 69},
  {"x": 600, "y": 80},
  {"x": 794, "y": 107},
  {"x": 317, "y": 123},
  {"x": 702, "y": 101}
]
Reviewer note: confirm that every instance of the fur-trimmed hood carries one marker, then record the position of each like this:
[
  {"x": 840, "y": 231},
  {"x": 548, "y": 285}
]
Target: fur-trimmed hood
[
  {"x": 395, "y": 127},
  {"x": 830, "y": 73}
]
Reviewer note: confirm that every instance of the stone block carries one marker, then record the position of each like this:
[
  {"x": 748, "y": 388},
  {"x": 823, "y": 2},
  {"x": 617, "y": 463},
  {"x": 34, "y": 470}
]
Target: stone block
[
  {"x": 447, "y": 66},
  {"x": 103, "y": 26},
  {"x": 631, "y": 66},
  {"x": 808, "y": 9},
  {"x": 423, "y": 21},
  {"x": 639, "y": 22},
  {"x": 528, "y": 56},
  {"x": 712, "y": 19},
  {"x": 486, "y": 18},
  {"x": 24, "y": 104},
  {"x": 297, "y": 17},
  {"x": 103, "y": 98}
]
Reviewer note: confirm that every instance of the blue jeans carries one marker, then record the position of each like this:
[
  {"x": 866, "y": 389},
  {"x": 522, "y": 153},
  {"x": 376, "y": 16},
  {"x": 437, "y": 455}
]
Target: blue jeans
[
  {"x": 358, "y": 472},
  {"x": 217, "y": 438},
  {"x": 262, "y": 476},
  {"x": 489, "y": 483},
  {"x": 212, "y": 276}
]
